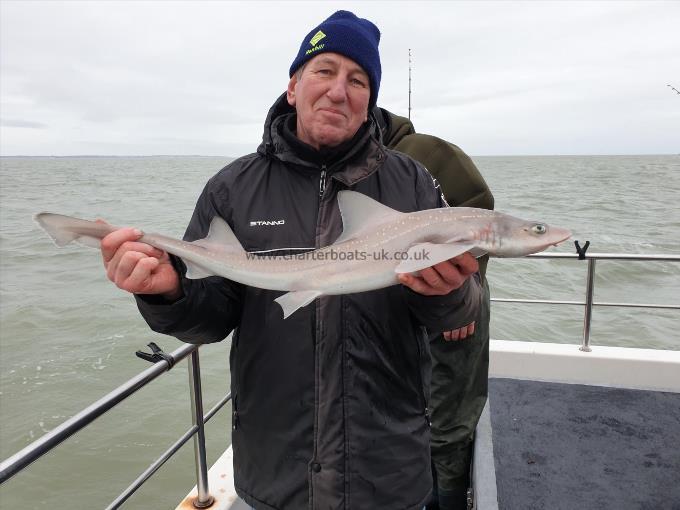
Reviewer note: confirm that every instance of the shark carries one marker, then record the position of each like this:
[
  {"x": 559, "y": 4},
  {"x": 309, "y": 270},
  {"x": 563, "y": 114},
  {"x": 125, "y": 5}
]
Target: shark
[{"x": 377, "y": 243}]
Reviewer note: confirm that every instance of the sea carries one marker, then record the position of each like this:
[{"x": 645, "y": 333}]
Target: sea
[{"x": 68, "y": 336}]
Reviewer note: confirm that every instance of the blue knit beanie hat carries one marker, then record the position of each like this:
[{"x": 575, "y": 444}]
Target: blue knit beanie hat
[{"x": 346, "y": 34}]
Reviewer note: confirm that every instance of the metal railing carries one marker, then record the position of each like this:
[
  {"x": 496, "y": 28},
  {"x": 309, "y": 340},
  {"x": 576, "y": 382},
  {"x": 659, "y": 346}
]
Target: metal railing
[
  {"x": 46, "y": 443},
  {"x": 56, "y": 436},
  {"x": 589, "y": 302}
]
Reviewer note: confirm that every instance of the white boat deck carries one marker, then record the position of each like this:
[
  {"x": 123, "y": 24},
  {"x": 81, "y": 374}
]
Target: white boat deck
[
  {"x": 621, "y": 367},
  {"x": 221, "y": 483}
]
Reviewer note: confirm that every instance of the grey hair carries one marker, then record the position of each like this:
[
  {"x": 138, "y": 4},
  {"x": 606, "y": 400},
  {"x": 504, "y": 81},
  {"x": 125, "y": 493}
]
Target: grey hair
[{"x": 298, "y": 72}]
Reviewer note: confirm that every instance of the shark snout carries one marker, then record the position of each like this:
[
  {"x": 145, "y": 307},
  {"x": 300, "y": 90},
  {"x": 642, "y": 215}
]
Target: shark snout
[
  {"x": 556, "y": 235},
  {"x": 562, "y": 234}
]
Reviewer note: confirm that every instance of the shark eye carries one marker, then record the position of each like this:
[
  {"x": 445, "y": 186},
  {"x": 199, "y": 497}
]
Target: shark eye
[{"x": 539, "y": 228}]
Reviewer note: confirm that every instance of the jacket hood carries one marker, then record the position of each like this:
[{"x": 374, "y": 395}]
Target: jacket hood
[
  {"x": 275, "y": 145},
  {"x": 270, "y": 137},
  {"x": 392, "y": 127}
]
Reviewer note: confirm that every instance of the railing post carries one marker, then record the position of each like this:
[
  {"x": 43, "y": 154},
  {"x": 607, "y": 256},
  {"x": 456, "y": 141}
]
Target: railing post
[
  {"x": 204, "y": 498},
  {"x": 588, "y": 314}
]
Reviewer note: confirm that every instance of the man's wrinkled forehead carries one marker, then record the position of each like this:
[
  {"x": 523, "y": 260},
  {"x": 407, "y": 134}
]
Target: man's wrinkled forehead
[{"x": 334, "y": 59}]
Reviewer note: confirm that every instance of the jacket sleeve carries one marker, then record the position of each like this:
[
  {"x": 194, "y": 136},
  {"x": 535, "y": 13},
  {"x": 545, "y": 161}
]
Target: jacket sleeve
[
  {"x": 458, "y": 308},
  {"x": 211, "y": 307}
]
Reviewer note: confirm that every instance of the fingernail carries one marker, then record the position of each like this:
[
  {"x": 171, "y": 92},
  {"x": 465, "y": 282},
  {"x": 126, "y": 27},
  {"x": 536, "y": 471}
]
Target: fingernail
[{"x": 138, "y": 232}]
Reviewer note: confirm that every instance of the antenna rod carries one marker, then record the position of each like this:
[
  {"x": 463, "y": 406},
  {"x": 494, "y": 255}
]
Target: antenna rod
[
  {"x": 676, "y": 90},
  {"x": 409, "y": 84}
]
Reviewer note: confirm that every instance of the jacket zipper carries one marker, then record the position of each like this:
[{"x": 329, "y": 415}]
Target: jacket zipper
[
  {"x": 322, "y": 182},
  {"x": 234, "y": 417},
  {"x": 425, "y": 403},
  {"x": 317, "y": 332}
]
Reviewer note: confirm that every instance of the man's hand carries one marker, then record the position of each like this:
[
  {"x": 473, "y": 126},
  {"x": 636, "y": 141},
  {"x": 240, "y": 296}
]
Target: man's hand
[
  {"x": 442, "y": 278},
  {"x": 137, "y": 267},
  {"x": 460, "y": 333}
]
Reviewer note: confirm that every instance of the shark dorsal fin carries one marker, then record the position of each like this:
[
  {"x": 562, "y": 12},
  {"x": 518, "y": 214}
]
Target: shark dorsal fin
[
  {"x": 220, "y": 237},
  {"x": 361, "y": 213}
]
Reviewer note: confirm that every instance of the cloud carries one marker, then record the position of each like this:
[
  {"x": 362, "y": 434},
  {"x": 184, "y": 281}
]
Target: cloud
[
  {"x": 205, "y": 73},
  {"x": 17, "y": 123}
]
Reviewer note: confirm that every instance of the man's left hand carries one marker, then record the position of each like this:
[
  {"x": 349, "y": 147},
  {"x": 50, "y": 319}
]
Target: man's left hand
[{"x": 442, "y": 278}]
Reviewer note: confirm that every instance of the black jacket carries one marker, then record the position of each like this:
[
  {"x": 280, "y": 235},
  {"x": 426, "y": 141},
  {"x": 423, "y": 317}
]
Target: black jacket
[{"x": 329, "y": 405}]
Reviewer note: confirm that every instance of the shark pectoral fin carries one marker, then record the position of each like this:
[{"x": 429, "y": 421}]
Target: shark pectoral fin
[
  {"x": 475, "y": 251},
  {"x": 293, "y": 300},
  {"x": 196, "y": 272},
  {"x": 423, "y": 255}
]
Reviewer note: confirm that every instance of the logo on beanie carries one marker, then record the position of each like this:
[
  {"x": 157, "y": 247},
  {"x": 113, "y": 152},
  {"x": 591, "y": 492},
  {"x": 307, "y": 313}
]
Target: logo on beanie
[{"x": 317, "y": 37}]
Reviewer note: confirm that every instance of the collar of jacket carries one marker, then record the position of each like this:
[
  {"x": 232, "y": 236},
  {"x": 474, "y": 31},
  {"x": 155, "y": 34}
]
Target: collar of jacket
[
  {"x": 358, "y": 163},
  {"x": 392, "y": 127}
]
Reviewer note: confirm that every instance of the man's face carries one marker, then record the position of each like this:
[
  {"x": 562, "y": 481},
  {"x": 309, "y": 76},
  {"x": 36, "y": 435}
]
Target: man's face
[{"x": 331, "y": 98}]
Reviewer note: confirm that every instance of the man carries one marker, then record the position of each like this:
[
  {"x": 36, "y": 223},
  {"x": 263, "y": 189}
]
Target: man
[
  {"x": 460, "y": 369},
  {"x": 329, "y": 405}
]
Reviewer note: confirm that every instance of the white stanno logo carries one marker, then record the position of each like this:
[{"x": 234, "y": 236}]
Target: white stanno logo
[{"x": 267, "y": 223}]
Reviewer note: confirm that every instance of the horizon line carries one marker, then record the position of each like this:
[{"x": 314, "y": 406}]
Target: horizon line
[{"x": 235, "y": 157}]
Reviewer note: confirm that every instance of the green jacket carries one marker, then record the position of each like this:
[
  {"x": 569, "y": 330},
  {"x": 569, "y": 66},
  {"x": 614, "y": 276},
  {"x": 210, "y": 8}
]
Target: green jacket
[{"x": 461, "y": 183}]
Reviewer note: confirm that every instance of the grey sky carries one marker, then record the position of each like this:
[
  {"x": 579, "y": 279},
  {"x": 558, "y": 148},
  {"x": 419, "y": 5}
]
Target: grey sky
[{"x": 506, "y": 78}]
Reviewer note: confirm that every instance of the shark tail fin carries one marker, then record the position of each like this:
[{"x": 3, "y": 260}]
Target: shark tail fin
[{"x": 65, "y": 229}]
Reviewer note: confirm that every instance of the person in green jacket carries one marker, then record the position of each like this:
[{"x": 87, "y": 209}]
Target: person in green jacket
[{"x": 460, "y": 360}]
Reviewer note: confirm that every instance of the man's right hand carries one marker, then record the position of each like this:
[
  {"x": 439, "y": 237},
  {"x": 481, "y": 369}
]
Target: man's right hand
[
  {"x": 138, "y": 267},
  {"x": 460, "y": 333}
]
